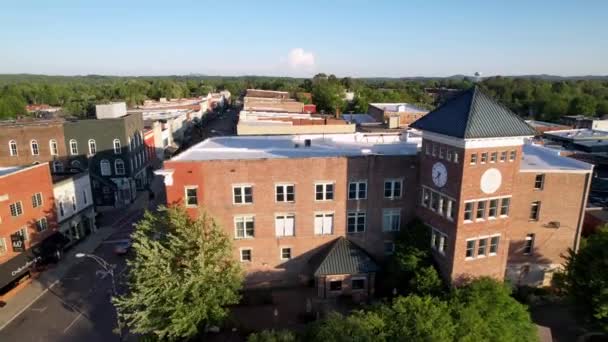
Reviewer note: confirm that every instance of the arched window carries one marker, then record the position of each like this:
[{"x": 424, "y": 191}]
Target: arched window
[
  {"x": 92, "y": 147},
  {"x": 53, "y": 147},
  {"x": 105, "y": 168},
  {"x": 73, "y": 147},
  {"x": 12, "y": 146},
  {"x": 119, "y": 167},
  {"x": 75, "y": 163},
  {"x": 57, "y": 166},
  {"x": 34, "y": 146},
  {"x": 116, "y": 146}
]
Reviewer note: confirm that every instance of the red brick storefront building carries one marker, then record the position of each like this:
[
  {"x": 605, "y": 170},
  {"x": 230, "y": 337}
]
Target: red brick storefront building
[{"x": 327, "y": 207}]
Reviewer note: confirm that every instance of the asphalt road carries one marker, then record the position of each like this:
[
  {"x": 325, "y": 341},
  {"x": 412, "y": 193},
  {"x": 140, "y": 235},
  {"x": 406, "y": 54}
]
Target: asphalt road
[{"x": 78, "y": 308}]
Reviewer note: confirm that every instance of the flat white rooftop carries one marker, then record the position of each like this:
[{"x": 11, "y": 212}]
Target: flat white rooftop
[
  {"x": 538, "y": 159},
  {"x": 284, "y": 146},
  {"x": 399, "y": 107},
  {"x": 579, "y": 134}
]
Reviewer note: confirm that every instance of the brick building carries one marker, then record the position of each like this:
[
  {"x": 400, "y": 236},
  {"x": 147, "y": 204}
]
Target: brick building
[
  {"x": 28, "y": 224},
  {"x": 395, "y": 114},
  {"x": 327, "y": 207},
  {"x": 30, "y": 142}
]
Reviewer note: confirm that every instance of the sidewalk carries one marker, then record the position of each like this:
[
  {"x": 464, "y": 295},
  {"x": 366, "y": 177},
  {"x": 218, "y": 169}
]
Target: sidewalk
[{"x": 50, "y": 277}]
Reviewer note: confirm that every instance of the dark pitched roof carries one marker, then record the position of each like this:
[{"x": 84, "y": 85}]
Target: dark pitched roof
[
  {"x": 344, "y": 257},
  {"x": 474, "y": 114}
]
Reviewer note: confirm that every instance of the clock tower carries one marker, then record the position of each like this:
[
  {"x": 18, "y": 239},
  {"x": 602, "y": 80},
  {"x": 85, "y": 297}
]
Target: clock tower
[{"x": 471, "y": 151}]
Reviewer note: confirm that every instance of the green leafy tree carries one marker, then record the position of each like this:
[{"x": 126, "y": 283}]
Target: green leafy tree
[
  {"x": 183, "y": 275},
  {"x": 359, "y": 326},
  {"x": 11, "y": 106},
  {"x": 415, "y": 318},
  {"x": 272, "y": 336},
  {"x": 485, "y": 311},
  {"x": 585, "y": 278}
]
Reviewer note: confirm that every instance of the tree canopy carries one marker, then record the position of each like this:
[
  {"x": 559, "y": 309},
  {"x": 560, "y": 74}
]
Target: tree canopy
[{"x": 182, "y": 276}]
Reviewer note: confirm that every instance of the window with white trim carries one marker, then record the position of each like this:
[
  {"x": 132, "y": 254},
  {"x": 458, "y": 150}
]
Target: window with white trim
[
  {"x": 41, "y": 225},
  {"x": 441, "y": 152},
  {"x": 104, "y": 167},
  {"x": 246, "y": 255},
  {"x": 434, "y": 201},
  {"x": 355, "y": 222},
  {"x": 451, "y": 210},
  {"x": 357, "y": 190},
  {"x": 12, "y": 148},
  {"x": 426, "y": 197},
  {"x": 503, "y": 156},
  {"x": 428, "y": 148},
  {"x": 284, "y": 225},
  {"x": 468, "y": 211},
  {"x": 504, "y": 206},
  {"x": 242, "y": 194},
  {"x": 119, "y": 166},
  {"x": 535, "y": 211},
  {"x": 434, "y": 150},
  {"x": 539, "y": 181},
  {"x": 53, "y": 147},
  {"x": 285, "y": 193},
  {"x": 37, "y": 200},
  {"x": 24, "y": 233},
  {"x": 494, "y": 240},
  {"x": 324, "y": 191},
  {"x": 57, "y": 166},
  {"x": 324, "y": 223},
  {"x": 16, "y": 209},
  {"x": 512, "y": 155},
  {"x": 439, "y": 241},
  {"x": 244, "y": 227},
  {"x": 116, "y": 144},
  {"x": 473, "y": 158},
  {"x": 191, "y": 196},
  {"x": 73, "y": 147},
  {"x": 493, "y": 157},
  {"x": 470, "y": 250},
  {"x": 481, "y": 210},
  {"x": 391, "y": 220},
  {"x": 448, "y": 156},
  {"x": 92, "y": 147},
  {"x": 484, "y": 157},
  {"x": 392, "y": 188},
  {"x": 285, "y": 253},
  {"x": 529, "y": 244},
  {"x": 493, "y": 208},
  {"x": 34, "y": 147},
  {"x": 482, "y": 245},
  {"x": 456, "y": 158}
]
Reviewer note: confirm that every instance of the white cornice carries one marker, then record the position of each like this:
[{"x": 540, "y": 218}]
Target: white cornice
[{"x": 474, "y": 143}]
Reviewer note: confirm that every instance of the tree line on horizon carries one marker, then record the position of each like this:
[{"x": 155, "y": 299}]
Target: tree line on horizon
[{"x": 530, "y": 97}]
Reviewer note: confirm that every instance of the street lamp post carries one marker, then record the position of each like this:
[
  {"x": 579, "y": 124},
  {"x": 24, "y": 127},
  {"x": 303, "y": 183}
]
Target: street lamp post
[{"x": 109, "y": 269}]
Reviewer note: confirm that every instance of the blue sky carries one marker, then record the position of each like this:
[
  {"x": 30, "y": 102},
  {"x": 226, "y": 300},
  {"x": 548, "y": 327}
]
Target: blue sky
[{"x": 301, "y": 38}]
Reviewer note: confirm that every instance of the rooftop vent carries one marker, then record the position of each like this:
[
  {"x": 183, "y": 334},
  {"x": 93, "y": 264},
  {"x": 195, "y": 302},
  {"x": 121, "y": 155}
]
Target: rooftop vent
[{"x": 307, "y": 142}]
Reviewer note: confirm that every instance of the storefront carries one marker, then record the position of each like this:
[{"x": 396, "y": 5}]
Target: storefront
[{"x": 16, "y": 269}]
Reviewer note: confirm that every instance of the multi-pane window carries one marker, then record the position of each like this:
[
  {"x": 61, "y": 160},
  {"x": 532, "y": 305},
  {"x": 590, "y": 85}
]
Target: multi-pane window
[
  {"x": 438, "y": 241},
  {"x": 12, "y": 147},
  {"x": 285, "y": 253},
  {"x": 73, "y": 147},
  {"x": 468, "y": 211},
  {"x": 285, "y": 193},
  {"x": 493, "y": 208},
  {"x": 357, "y": 190},
  {"x": 512, "y": 155},
  {"x": 484, "y": 157},
  {"x": 355, "y": 222},
  {"x": 116, "y": 144},
  {"x": 535, "y": 211},
  {"x": 34, "y": 146},
  {"x": 53, "y": 147},
  {"x": 434, "y": 201},
  {"x": 16, "y": 209},
  {"x": 470, "y": 251},
  {"x": 504, "y": 206},
  {"x": 357, "y": 284},
  {"x": 324, "y": 191},
  {"x": 284, "y": 225},
  {"x": 24, "y": 233},
  {"x": 434, "y": 149},
  {"x": 41, "y": 225},
  {"x": 426, "y": 197},
  {"x": 37, "y": 199},
  {"x": 105, "y": 168},
  {"x": 428, "y": 148},
  {"x": 529, "y": 245},
  {"x": 482, "y": 247},
  {"x": 503, "y": 156},
  {"x": 246, "y": 254},
  {"x": 441, "y": 152},
  {"x": 474, "y": 158},
  {"x": 448, "y": 156},
  {"x": 392, "y": 188},
  {"x": 391, "y": 220},
  {"x": 92, "y": 147},
  {"x": 119, "y": 167},
  {"x": 493, "y": 157},
  {"x": 191, "y": 196},
  {"x": 57, "y": 166},
  {"x": 481, "y": 210},
  {"x": 539, "y": 181},
  {"x": 244, "y": 227},
  {"x": 494, "y": 244},
  {"x": 242, "y": 194},
  {"x": 450, "y": 212},
  {"x": 324, "y": 223}
]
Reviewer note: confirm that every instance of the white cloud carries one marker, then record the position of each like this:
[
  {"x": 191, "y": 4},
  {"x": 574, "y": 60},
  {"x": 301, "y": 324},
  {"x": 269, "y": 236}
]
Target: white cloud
[{"x": 300, "y": 59}]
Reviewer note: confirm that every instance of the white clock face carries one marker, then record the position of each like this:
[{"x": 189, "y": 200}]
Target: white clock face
[
  {"x": 439, "y": 174},
  {"x": 490, "y": 181}
]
